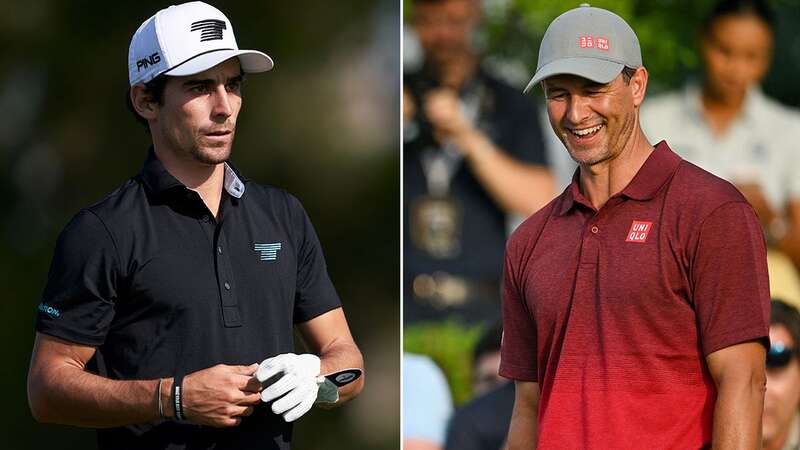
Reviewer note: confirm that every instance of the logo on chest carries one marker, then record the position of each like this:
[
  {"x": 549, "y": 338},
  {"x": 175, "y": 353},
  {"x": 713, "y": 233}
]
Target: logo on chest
[
  {"x": 639, "y": 231},
  {"x": 267, "y": 252}
]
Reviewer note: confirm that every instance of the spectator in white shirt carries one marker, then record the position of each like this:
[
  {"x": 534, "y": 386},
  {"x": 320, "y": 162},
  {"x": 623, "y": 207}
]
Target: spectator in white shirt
[{"x": 727, "y": 126}]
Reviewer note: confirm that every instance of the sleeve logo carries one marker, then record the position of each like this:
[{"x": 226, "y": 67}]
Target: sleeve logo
[{"x": 49, "y": 310}]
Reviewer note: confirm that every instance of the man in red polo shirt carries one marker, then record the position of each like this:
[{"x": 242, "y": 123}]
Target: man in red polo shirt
[{"x": 636, "y": 307}]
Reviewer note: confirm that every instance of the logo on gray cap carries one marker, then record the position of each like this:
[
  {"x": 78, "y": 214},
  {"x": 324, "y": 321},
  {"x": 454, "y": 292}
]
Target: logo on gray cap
[{"x": 588, "y": 42}]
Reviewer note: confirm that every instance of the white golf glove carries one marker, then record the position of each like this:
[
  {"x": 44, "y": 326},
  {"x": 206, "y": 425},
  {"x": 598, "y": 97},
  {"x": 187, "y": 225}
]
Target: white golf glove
[{"x": 300, "y": 386}]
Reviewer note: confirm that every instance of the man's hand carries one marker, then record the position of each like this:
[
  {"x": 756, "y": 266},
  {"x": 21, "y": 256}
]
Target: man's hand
[
  {"x": 298, "y": 387},
  {"x": 443, "y": 109},
  {"x": 220, "y": 395}
]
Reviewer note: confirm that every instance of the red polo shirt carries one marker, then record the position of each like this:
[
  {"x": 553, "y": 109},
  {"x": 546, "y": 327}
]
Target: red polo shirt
[{"x": 613, "y": 311}]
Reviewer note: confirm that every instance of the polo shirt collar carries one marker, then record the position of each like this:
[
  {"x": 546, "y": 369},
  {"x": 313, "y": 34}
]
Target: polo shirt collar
[
  {"x": 656, "y": 170},
  {"x": 158, "y": 180},
  {"x": 233, "y": 184}
]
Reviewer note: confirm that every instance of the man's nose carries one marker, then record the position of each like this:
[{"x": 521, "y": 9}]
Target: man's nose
[
  {"x": 577, "y": 109},
  {"x": 221, "y": 103}
]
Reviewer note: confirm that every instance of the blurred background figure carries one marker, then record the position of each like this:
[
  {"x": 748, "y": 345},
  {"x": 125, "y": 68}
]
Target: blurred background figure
[
  {"x": 728, "y": 126},
  {"x": 473, "y": 155},
  {"x": 486, "y": 361},
  {"x": 482, "y": 423},
  {"x": 427, "y": 404},
  {"x": 781, "y": 422},
  {"x": 324, "y": 125}
]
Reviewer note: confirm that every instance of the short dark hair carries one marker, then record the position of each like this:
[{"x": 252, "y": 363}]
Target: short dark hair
[
  {"x": 757, "y": 8},
  {"x": 489, "y": 342},
  {"x": 627, "y": 74},
  {"x": 155, "y": 90},
  {"x": 787, "y": 315}
]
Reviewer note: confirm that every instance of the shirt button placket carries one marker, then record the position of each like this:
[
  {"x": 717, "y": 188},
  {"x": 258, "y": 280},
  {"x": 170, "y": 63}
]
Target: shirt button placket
[{"x": 230, "y": 307}]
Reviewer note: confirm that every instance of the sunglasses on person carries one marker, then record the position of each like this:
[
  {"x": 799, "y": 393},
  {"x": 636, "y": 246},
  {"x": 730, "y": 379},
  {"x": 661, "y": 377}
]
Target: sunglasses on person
[{"x": 780, "y": 355}]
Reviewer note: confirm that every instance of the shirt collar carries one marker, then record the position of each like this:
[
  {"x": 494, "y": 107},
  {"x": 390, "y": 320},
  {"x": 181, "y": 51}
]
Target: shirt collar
[
  {"x": 233, "y": 184},
  {"x": 656, "y": 170},
  {"x": 158, "y": 180}
]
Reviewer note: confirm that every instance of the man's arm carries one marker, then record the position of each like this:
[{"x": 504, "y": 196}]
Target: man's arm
[
  {"x": 61, "y": 390},
  {"x": 515, "y": 186},
  {"x": 522, "y": 433},
  {"x": 739, "y": 373},
  {"x": 328, "y": 336}
]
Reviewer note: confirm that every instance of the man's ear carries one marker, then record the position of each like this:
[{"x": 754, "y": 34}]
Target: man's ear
[
  {"x": 638, "y": 85},
  {"x": 143, "y": 103}
]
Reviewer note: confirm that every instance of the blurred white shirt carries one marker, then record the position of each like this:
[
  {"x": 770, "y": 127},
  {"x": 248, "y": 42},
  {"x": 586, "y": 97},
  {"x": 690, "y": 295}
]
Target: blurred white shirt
[{"x": 760, "y": 146}]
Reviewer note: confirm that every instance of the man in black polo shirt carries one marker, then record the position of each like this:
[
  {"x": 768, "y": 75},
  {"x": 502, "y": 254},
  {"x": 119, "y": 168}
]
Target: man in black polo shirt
[{"x": 163, "y": 297}]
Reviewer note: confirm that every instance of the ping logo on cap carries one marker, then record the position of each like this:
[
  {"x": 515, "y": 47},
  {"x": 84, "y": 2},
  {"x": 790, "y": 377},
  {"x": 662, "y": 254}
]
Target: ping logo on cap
[
  {"x": 149, "y": 61},
  {"x": 589, "y": 41},
  {"x": 210, "y": 29}
]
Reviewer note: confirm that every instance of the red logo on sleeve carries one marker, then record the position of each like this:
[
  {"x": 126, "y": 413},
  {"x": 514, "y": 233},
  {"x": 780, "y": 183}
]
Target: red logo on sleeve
[{"x": 639, "y": 231}]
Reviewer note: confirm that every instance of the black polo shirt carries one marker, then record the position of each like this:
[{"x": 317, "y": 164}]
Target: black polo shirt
[{"x": 150, "y": 278}]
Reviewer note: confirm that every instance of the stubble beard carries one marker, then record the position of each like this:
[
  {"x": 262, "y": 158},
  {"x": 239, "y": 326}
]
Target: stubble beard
[
  {"x": 209, "y": 157},
  {"x": 210, "y": 154},
  {"x": 589, "y": 158},
  {"x": 611, "y": 148}
]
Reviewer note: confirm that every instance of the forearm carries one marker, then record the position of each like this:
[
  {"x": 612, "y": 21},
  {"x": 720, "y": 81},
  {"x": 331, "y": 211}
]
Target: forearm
[
  {"x": 516, "y": 187},
  {"x": 522, "y": 433},
  {"x": 737, "y": 413},
  {"x": 343, "y": 354},
  {"x": 72, "y": 396}
]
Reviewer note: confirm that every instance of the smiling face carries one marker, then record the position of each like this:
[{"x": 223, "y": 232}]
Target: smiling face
[
  {"x": 594, "y": 121},
  {"x": 197, "y": 117},
  {"x": 736, "y": 50}
]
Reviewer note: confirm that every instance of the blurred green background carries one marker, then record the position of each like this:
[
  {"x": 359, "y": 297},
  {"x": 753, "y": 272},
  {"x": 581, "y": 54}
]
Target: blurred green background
[
  {"x": 509, "y": 39},
  {"x": 667, "y": 31},
  {"x": 324, "y": 124}
]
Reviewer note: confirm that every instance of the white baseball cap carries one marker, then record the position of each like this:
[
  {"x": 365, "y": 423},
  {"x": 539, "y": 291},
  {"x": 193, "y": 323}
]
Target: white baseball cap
[{"x": 187, "y": 39}]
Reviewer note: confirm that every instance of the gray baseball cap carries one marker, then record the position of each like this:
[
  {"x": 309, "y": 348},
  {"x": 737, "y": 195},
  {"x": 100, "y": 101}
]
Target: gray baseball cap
[{"x": 588, "y": 42}]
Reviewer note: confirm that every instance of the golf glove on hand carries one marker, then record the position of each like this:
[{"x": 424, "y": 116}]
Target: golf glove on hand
[{"x": 300, "y": 386}]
